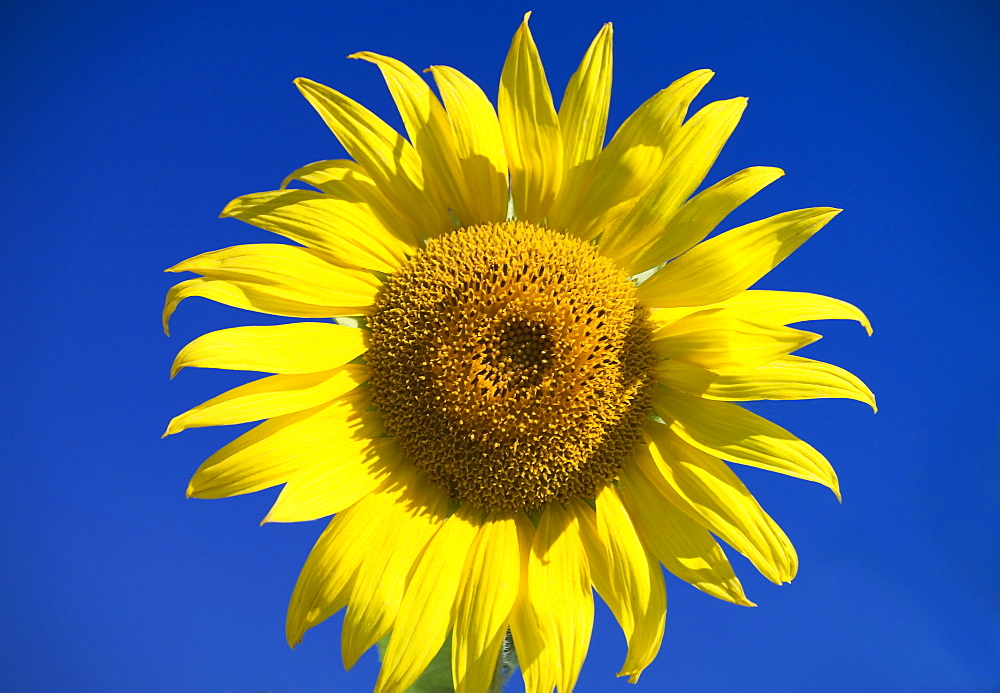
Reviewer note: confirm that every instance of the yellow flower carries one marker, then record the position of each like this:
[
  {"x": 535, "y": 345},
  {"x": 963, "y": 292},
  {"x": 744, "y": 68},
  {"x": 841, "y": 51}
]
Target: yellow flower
[{"x": 528, "y": 391}]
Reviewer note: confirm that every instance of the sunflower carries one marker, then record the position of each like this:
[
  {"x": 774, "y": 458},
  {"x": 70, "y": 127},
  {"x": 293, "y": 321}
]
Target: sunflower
[{"x": 528, "y": 387}]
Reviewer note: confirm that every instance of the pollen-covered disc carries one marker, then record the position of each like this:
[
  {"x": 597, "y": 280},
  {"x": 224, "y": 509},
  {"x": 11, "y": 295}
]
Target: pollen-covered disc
[{"x": 513, "y": 364}]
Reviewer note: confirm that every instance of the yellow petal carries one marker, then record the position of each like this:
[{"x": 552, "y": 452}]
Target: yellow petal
[
  {"x": 287, "y": 271},
  {"x": 425, "y": 613},
  {"x": 635, "y": 583},
  {"x": 273, "y": 452},
  {"x": 723, "y": 266},
  {"x": 699, "y": 216},
  {"x": 248, "y": 296},
  {"x": 349, "y": 469},
  {"x": 300, "y": 347},
  {"x": 708, "y": 492},
  {"x": 430, "y": 132},
  {"x": 583, "y": 117},
  {"x": 348, "y": 231},
  {"x": 478, "y": 142},
  {"x": 557, "y": 609},
  {"x": 347, "y": 180},
  {"x": 636, "y": 154},
  {"x": 386, "y": 156},
  {"x": 535, "y": 655},
  {"x": 661, "y": 317},
  {"x": 735, "y": 434},
  {"x": 417, "y": 510},
  {"x": 530, "y": 129},
  {"x": 683, "y": 547},
  {"x": 789, "y": 377},
  {"x": 341, "y": 178},
  {"x": 784, "y": 307},
  {"x": 328, "y": 576},
  {"x": 489, "y": 586},
  {"x": 270, "y": 397},
  {"x": 698, "y": 145},
  {"x": 716, "y": 340}
]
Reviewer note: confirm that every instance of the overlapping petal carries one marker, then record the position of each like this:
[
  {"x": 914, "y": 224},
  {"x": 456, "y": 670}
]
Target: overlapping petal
[
  {"x": 635, "y": 157},
  {"x": 717, "y": 341},
  {"x": 530, "y": 127},
  {"x": 427, "y": 124},
  {"x": 699, "y": 216},
  {"x": 425, "y": 612},
  {"x": 553, "y": 615},
  {"x": 698, "y": 144},
  {"x": 708, "y": 492},
  {"x": 329, "y": 574},
  {"x": 274, "y": 451},
  {"x": 684, "y": 547},
  {"x": 347, "y": 180},
  {"x": 385, "y": 155},
  {"x": 583, "y": 117},
  {"x": 479, "y": 144},
  {"x": 248, "y": 296},
  {"x": 632, "y": 582},
  {"x": 737, "y": 435},
  {"x": 788, "y": 377},
  {"x": 269, "y": 397},
  {"x": 725, "y": 265},
  {"x": 287, "y": 272},
  {"x": 414, "y": 511},
  {"x": 786, "y": 307},
  {"x": 347, "y": 470},
  {"x": 490, "y": 584},
  {"x": 349, "y": 232}
]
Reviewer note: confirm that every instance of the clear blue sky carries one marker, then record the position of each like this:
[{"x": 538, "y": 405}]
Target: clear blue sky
[{"x": 124, "y": 129}]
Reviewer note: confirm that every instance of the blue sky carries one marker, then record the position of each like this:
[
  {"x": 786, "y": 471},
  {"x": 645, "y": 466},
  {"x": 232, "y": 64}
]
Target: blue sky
[{"x": 127, "y": 126}]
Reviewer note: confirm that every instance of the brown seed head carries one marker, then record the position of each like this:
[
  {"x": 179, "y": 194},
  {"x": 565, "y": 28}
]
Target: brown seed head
[{"x": 513, "y": 364}]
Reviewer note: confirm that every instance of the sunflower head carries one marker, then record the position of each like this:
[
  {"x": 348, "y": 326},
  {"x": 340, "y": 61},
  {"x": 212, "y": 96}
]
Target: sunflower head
[
  {"x": 513, "y": 364},
  {"x": 530, "y": 386}
]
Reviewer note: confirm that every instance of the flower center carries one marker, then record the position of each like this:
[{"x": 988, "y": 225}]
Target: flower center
[{"x": 513, "y": 365}]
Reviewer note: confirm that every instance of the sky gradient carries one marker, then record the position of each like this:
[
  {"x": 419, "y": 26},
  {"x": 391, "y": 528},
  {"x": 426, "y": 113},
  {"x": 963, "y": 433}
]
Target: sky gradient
[{"x": 126, "y": 127}]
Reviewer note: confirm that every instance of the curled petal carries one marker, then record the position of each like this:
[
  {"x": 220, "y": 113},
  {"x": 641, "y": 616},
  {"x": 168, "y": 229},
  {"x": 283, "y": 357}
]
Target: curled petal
[
  {"x": 789, "y": 377},
  {"x": 427, "y": 124}
]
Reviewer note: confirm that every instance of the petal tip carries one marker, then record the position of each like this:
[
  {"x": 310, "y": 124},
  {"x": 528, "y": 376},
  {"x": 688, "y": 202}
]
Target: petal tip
[{"x": 228, "y": 209}]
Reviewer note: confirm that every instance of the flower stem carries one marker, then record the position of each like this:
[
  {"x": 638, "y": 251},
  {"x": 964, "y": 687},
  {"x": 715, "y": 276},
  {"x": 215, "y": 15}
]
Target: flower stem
[{"x": 436, "y": 678}]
